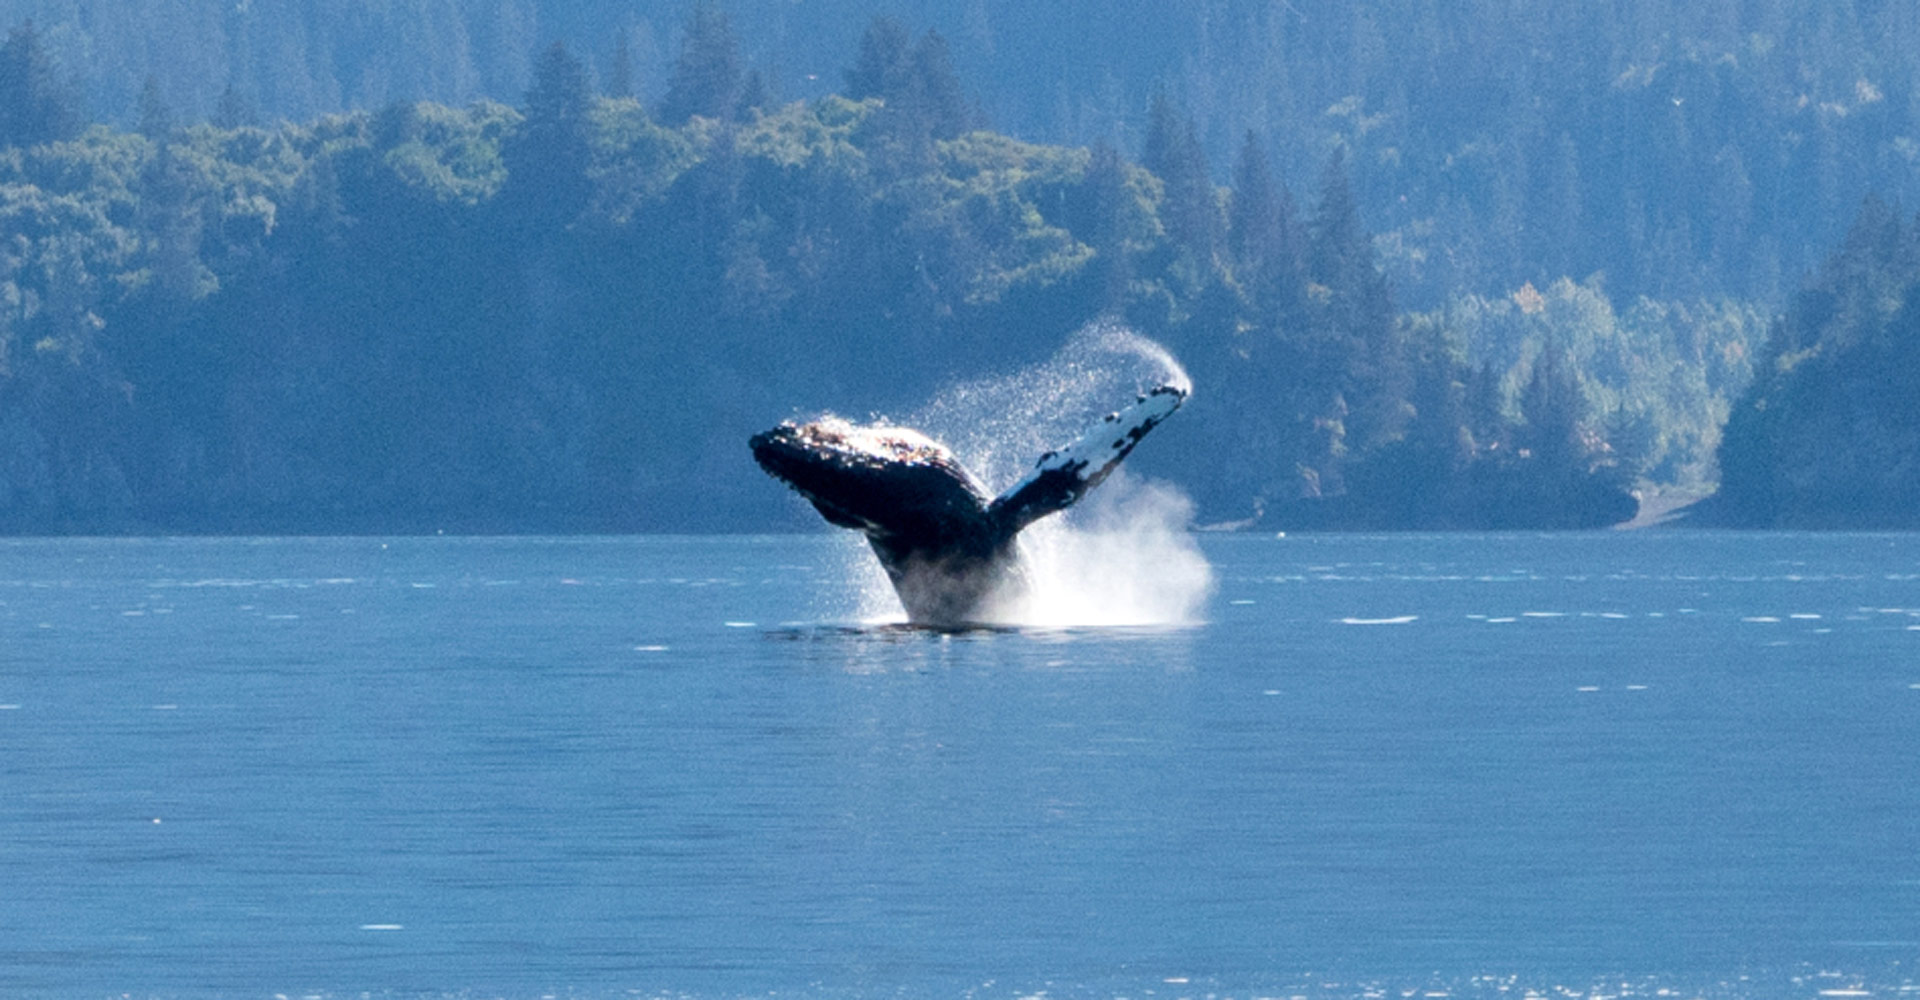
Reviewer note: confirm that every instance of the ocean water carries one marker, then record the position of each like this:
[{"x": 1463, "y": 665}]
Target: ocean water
[{"x": 1464, "y": 765}]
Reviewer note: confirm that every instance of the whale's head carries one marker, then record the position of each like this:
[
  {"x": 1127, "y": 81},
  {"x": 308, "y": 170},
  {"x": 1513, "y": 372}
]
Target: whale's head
[{"x": 881, "y": 479}]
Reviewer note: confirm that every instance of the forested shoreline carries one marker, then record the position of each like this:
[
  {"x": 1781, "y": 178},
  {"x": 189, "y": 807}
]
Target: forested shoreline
[{"x": 567, "y": 314}]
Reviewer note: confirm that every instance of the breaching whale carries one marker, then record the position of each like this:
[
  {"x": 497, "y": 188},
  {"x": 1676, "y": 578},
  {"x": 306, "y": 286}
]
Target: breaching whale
[{"x": 947, "y": 548}]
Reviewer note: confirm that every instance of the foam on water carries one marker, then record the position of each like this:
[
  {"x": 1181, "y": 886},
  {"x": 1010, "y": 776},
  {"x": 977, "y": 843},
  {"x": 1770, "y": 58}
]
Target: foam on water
[{"x": 1125, "y": 559}]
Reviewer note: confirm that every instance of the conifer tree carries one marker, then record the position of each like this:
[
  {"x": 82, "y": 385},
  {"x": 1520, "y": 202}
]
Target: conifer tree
[
  {"x": 922, "y": 99},
  {"x": 1358, "y": 330},
  {"x": 235, "y": 110},
  {"x": 880, "y": 68},
  {"x": 1550, "y": 405},
  {"x": 156, "y": 118},
  {"x": 1108, "y": 197},
  {"x": 934, "y": 88},
  {"x": 547, "y": 161},
  {"x": 1263, "y": 235},
  {"x": 1173, "y": 153},
  {"x": 755, "y": 95},
  {"x": 559, "y": 97},
  {"x": 1339, "y": 250},
  {"x": 706, "y": 77},
  {"x": 171, "y": 216},
  {"x": 35, "y": 106},
  {"x": 1341, "y": 258},
  {"x": 1253, "y": 223},
  {"x": 620, "y": 76}
]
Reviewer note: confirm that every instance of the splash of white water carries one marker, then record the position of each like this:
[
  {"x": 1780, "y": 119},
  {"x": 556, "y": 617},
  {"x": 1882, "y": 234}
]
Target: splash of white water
[{"x": 1124, "y": 556}]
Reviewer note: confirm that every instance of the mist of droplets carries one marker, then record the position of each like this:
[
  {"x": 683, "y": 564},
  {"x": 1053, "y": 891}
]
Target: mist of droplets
[{"x": 1124, "y": 555}]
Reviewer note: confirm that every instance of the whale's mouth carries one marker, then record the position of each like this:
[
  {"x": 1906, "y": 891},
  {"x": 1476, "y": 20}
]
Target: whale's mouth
[
  {"x": 781, "y": 451},
  {"x": 816, "y": 467}
]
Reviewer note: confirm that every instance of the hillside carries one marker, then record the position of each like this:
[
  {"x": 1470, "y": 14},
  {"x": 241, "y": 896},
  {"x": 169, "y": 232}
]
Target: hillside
[
  {"x": 568, "y": 315},
  {"x": 1679, "y": 149},
  {"x": 1828, "y": 436},
  {"x": 565, "y": 309}
]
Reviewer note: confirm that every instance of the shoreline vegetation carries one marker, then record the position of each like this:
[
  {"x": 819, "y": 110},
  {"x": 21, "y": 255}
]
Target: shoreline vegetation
[{"x": 567, "y": 316}]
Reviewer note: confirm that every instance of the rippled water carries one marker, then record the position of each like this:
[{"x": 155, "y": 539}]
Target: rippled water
[{"x": 1466, "y": 765}]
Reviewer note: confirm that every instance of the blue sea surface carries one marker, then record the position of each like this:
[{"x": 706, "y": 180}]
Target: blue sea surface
[{"x": 1466, "y": 765}]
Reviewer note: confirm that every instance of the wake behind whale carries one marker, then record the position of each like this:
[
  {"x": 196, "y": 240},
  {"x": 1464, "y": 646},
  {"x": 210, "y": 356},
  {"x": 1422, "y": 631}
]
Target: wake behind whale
[{"x": 952, "y": 548}]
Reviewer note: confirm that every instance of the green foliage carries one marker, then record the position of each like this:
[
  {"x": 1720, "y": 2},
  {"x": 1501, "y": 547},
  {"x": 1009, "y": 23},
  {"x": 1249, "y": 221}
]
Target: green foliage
[
  {"x": 1828, "y": 434},
  {"x": 398, "y": 311},
  {"x": 634, "y": 160},
  {"x": 569, "y": 314},
  {"x": 1653, "y": 385},
  {"x": 447, "y": 154},
  {"x": 1685, "y": 151}
]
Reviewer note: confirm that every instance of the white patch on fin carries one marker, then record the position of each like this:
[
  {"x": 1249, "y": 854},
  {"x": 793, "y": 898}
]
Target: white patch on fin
[{"x": 1105, "y": 443}]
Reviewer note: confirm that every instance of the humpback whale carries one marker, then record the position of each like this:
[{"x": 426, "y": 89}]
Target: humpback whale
[{"x": 946, "y": 546}]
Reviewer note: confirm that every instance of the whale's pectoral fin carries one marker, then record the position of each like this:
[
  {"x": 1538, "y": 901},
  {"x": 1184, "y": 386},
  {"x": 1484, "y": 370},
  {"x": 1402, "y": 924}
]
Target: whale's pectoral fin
[{"x": 1062, "y": 477}]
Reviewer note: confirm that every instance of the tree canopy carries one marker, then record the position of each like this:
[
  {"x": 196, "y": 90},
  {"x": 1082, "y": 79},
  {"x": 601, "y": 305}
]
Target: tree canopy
[
  {"x": 1828, "y": 435},
  {"x": 567, "y": 311}
]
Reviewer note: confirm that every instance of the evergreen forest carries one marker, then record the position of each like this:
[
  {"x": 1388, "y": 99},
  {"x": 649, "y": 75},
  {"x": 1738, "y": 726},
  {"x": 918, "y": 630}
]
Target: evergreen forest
[{"x": 522, "y": 266}]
